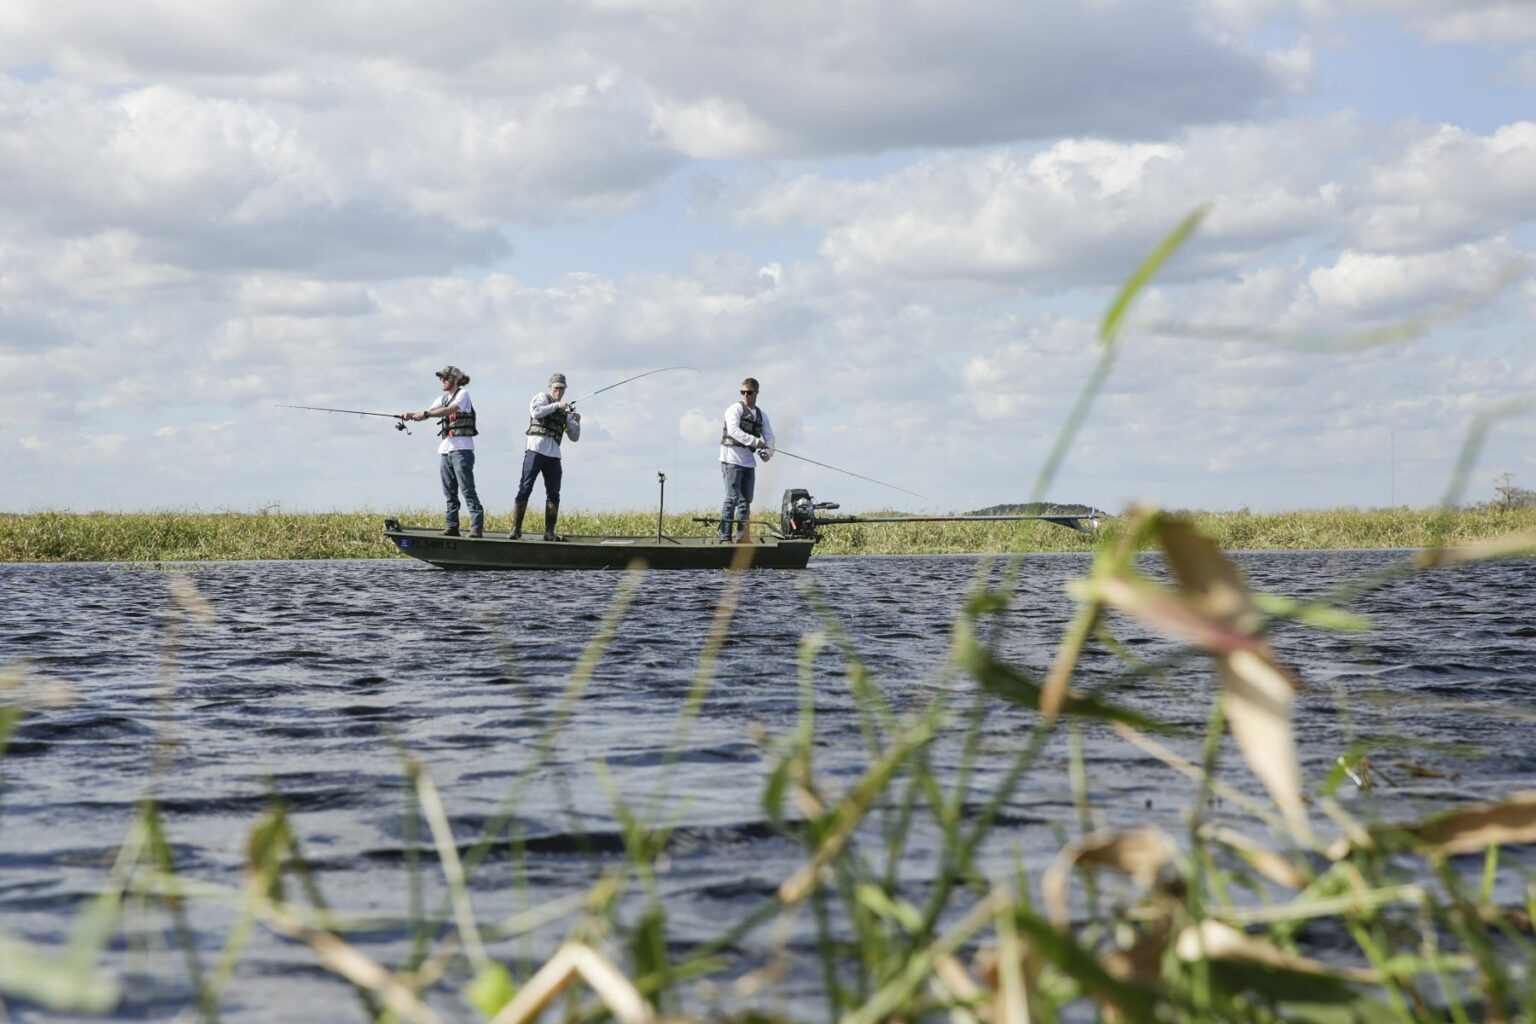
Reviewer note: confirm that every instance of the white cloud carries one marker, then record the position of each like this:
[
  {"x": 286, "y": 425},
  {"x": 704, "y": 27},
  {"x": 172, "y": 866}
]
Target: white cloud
[
  {"x": 1389, "y": 284},
  {"x": 1084, "y": 211},
  {"x": 284, "y": 296},
  {"x": 726, "y": 76},
  {"x": 1446, "y": 185},
  {"x": 207, "y": 183},
  {"x": 73, "y": 448},
  {"x": 1499, "y": 22},
  {"x": 699, "y": 427},
  {"x": 1022, "y": 376},
  {"x": 715, "y": 127},
  {"x": 1080, "y": 211},
  {"x": 1492, "y": 22}
]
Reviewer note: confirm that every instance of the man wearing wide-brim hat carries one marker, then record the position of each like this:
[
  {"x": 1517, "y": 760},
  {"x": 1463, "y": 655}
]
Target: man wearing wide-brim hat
[
  {"x": 550, "y": 418},
  {"x": 457, "y": 448}
]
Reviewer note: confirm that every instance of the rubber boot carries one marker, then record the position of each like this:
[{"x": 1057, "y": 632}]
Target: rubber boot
[
  {"x": 551, "y": 514},
  {"x": 519, "y": 509}
]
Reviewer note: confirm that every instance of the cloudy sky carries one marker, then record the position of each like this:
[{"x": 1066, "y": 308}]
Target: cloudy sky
[{"x": 905, "y": 217}]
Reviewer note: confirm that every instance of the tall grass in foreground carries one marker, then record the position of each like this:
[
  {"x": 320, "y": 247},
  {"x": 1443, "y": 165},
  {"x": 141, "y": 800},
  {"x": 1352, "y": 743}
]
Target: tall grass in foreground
[
  {"x": 1134, "y": 924},
  {"x": 189, "y": 536}
]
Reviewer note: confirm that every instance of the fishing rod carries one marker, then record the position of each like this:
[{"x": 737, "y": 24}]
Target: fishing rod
[
  {"x": 848, "y": 472},
  {"x": 1072, "y": 520},
  {"x": 626, "y": 380},
  {"x": 399, "y": 420},
  {"x": 801, "y": 517}
]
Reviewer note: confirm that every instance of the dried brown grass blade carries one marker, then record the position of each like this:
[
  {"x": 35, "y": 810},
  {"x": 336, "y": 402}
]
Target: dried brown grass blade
[
  {"x": 1053, "y": 692},
  {"x": 1507, "y": 546},
  {"x": 1172, "y": 614},
  {"x": 1480, "y": 826},
  {"x": 849, "y": 812},
  {"x": 1207, "y": 577},
  {"x": 1193, "y": 771},
  {"x": 191, "y": 602},
  {"x": 25, "y": 689},
  {"x": 578, "y": 960},
  {"x": 1257, "y": 692},
  {"x": 1139, "y": 853},
  {"x": 1213, "y": 940},
  {"x": 951, "y": 981},
  {"x": 1257, "y": 856},
  {"x": 892, "y": 999},
  {"x": 1257, "y": 695},
  {"x": 1011, "y": 1000},
  {"x": 346, "y": 961}
]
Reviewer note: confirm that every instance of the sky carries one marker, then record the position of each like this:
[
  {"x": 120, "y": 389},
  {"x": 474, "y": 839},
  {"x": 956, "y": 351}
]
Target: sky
[{"x": 905, "y": 218}]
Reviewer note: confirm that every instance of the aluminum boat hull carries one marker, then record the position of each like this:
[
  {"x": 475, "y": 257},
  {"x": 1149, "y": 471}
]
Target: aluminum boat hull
[{"x": 499, "y": 551}]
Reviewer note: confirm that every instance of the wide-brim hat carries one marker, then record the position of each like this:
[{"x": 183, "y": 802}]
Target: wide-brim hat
[{"x": 451, "y": 372}]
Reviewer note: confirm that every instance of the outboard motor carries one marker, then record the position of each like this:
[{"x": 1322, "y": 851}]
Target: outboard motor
[{"x": 797, "y": 514}]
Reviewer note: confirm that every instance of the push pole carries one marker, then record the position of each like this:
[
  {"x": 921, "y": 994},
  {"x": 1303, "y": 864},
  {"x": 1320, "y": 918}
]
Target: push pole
[{"x": 661, "y": 504}]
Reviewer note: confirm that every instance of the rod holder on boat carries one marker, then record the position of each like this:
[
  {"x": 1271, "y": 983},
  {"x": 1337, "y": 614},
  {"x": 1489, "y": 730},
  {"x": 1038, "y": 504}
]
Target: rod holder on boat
[{"x": 661, "y": 504}]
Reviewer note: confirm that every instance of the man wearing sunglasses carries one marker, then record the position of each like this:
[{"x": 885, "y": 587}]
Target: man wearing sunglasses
[
  {"x": 550, "y": 418},
  {"x": 746, "y": 434}
]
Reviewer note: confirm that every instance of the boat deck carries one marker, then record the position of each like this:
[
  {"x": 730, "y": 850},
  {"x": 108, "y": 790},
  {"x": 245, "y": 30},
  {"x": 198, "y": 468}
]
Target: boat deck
[{"x": 531, "y": 551}]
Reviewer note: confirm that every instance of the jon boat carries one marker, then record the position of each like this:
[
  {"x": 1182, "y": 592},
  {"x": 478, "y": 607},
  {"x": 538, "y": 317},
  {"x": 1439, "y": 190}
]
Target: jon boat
[{"x": 788, "y": 546}]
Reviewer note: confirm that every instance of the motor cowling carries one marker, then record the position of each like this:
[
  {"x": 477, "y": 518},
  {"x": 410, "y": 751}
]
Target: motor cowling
[{"x": 797, "y": 514}]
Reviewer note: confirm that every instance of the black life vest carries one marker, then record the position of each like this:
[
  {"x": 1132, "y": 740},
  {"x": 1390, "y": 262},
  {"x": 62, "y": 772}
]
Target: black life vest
[
  {"x": 552, "y": 425},
  {"x": 751, "y": 423},
  {"x": 456, "y": 423}
]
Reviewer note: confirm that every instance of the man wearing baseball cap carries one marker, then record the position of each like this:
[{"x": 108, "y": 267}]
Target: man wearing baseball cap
[
  {"x": 457, "y": 448},
  {"x": 550, "y": 417}
]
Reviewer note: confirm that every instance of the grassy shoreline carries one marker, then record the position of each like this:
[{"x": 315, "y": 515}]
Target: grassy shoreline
[{"x": 232, "y": 536}]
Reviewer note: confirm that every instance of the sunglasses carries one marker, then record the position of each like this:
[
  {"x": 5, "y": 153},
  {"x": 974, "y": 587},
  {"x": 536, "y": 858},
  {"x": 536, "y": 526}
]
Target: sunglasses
[{"x": 746, "y": 391}]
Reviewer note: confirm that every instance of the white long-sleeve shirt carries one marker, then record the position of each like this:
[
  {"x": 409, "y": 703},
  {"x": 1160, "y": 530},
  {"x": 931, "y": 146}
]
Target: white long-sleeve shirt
[
  {"x": 542, "y": 405},
  {"x": 743, "y": 456},
  {"x": 462, "y": 403}
]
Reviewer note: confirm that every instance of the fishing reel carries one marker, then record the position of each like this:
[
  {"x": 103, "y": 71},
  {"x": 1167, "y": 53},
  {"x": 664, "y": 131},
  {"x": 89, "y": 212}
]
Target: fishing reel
[
  {"x": 400, "y": 425},
  {"x": 797, "y": 514}
]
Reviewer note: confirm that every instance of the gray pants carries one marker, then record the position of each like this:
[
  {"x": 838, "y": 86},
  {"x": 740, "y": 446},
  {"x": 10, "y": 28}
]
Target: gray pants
[
  {"x": 739, "y": 483},
  {"x": 458, "y": 473}
]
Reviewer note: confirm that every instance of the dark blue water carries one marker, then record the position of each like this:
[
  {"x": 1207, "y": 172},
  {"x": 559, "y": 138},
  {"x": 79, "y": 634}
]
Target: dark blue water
[{"x": 310, "y": 677}]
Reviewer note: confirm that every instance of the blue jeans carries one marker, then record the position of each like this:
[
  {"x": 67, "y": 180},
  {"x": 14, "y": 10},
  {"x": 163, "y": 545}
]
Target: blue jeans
[
  {"x": 458, "y": 473},
  {"x": 739, "y": 483},
  {"x": 535, "y": 463}
]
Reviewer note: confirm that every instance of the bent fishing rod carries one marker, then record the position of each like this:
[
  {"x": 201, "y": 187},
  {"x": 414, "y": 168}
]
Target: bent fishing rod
[
  {"x": 399, "y": 420},
  {"x": 847, "y": 472},
  {"x": 626, "y": 380}
]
